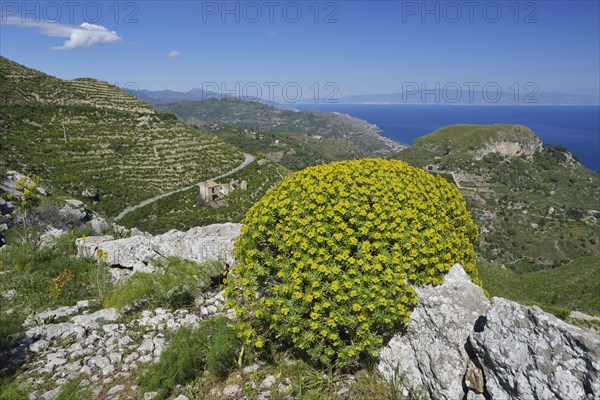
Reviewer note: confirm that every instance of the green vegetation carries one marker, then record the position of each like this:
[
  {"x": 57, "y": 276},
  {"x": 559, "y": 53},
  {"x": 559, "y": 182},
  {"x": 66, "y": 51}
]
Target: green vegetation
[
  {"x": 73, "y": 390},
  {"x": 173, "y": 284},
  {"x": 17, "y": 389},
  {"x": 559, "y": 290},
  {"x": 261, "y": 117},
  {"x": 85, "y": 134},
  {"x": 47, "y": 278},
  {"x": 183, "y": 210},
  {"x": 327, "y": 258},
  {"x": 535, "y": 210},
  {"x": 298, "y": 379},
  {"x": 294, "y": 151},
  {"x": 189, "y": 352}
]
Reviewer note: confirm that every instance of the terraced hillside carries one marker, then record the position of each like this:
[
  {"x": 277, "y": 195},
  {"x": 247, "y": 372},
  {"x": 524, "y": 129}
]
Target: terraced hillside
[
  {"x": 294, "y": 151},
  {"x": 118, "y": 150},
  {"x": 183, "y": 210},
  {"x": 254, "y": 115}
]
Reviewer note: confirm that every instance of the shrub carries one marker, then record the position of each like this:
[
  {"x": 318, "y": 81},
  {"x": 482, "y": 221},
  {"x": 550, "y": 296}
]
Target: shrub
[
  {"x": 222, "y": 352},
  {"x": 187, "y": 355},
  {"x": 173, "y": 285},
  {"x": 327, "y": 258}
]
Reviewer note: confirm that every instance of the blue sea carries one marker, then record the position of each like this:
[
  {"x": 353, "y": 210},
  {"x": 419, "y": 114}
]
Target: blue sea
[{"x": 575, "y": 127}]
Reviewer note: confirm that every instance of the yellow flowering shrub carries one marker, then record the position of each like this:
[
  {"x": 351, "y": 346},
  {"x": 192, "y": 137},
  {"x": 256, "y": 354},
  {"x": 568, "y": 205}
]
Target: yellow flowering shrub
[{"x": 327, "y": 259}]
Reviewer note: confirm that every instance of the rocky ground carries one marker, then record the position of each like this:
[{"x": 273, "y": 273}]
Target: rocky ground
[
  {"x": 103, "y": 347},
  {"x": 458, "y": 345}
]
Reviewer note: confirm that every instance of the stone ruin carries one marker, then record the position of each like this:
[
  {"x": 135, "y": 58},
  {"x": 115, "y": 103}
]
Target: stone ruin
[{"x": 211, "y": 192}]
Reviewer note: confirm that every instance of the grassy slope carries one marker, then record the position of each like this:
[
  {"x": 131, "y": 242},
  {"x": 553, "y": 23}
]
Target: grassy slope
[
  {"x": 259, "y": 116},
  {"x": 115, "y": 143},
  {"x": 555, "y": 290}
]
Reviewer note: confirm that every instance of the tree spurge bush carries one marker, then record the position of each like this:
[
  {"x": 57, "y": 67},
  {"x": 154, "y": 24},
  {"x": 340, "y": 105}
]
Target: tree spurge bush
[{"x": 327, "y": 259}]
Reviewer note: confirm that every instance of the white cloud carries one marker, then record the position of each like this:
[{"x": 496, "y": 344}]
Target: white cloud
[
  {"x": 174, "y": 53},
  {"x": 79, "y": 37}
]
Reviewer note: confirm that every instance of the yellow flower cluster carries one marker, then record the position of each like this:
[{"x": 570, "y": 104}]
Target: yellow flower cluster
[{"x": 328, "y": 257}]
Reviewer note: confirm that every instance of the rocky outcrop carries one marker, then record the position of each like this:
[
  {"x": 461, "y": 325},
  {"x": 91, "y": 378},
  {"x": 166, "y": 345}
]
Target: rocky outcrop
[
  {"x": 136, "y": 253},
  {"x": 101, "y": 347},
  {"x": 528, "y": 354},
  {"x": 511, "y": 149},
  {"x": 460, "y": 345}
]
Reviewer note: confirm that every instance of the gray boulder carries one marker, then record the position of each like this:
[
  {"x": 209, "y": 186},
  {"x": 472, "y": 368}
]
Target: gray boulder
[
  {"x": 91, "y": 193},
  {"x": 99, "y": 225},
  {"x": 431, "y": 354},
  {"x": 459, "y": 345},
  {"x": 6, "y": 207},
  {"x": 94, "y": 320},
  {"x": 201, "y": 244},
  {"x": 528, "y": 354},
  {"x": 50, "y": 237},
  {"x": 74, "y": 210}
]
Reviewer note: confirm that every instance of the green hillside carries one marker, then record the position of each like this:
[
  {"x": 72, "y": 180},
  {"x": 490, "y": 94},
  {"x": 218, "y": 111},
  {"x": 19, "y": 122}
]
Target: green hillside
[
  {"x": 259, "y": 116},
  {"x": 116, "y": 145},
  {"x": 536, "y": 206},
  {"x": 295, "y": 151},
  {"x": 570, "y": 287},
  {"x": 183, "y": 210}
]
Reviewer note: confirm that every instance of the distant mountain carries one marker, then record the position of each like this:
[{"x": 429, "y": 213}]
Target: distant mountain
[
  {"x": 159, "y": 97},
  {"x": 478, "y": 96},
  {"x": 87, "y": 134},
  {"x": 171, "y": 96},
  {"x": 326, "y": 125}
]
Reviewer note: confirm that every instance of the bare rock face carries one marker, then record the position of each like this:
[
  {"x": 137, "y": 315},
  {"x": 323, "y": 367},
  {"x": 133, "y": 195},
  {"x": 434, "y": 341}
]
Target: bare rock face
[
  {"x": 431, "y": 354},
  {"x": 529, "y": 354},
  {"x": 136, "y": 253},
  {"x": 74, "y": 210},
  {"x": 517, "y": 141},
  {"x": 511, "y": 149},
  {"x": 460, "y": 345}
]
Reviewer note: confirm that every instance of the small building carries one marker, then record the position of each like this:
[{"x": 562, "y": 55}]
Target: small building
[
  {"x": 487, "y": 214},
  {"x": 210, "y": 192}
]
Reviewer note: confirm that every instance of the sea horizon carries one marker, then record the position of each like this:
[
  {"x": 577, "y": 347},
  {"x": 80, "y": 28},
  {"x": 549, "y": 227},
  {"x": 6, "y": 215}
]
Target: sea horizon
[{"x": 575, "y": 127}]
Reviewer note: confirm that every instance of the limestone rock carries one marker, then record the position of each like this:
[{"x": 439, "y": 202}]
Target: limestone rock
[
  {"x": 200, "y": 244},
  {"x": 529, "y": 354},
  {"x": 49, "y": 238},
  {"x": 431, "y": 354},
  {"x": 99, "y": 225},
  {"x": 96, "y": 319},
  {"x": 74, "y": 210},
  {"x": 91, "y": 193},
  {"x": 459, "y": 345},
  {"x": 50, "y": 316}
]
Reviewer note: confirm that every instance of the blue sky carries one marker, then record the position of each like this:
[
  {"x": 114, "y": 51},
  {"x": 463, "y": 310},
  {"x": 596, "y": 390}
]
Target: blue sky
[{"x": 362, "y": 47}]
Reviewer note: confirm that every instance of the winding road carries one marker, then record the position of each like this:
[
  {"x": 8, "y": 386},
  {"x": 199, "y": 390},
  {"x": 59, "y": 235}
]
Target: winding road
[{"x": 248, "y": 158}]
